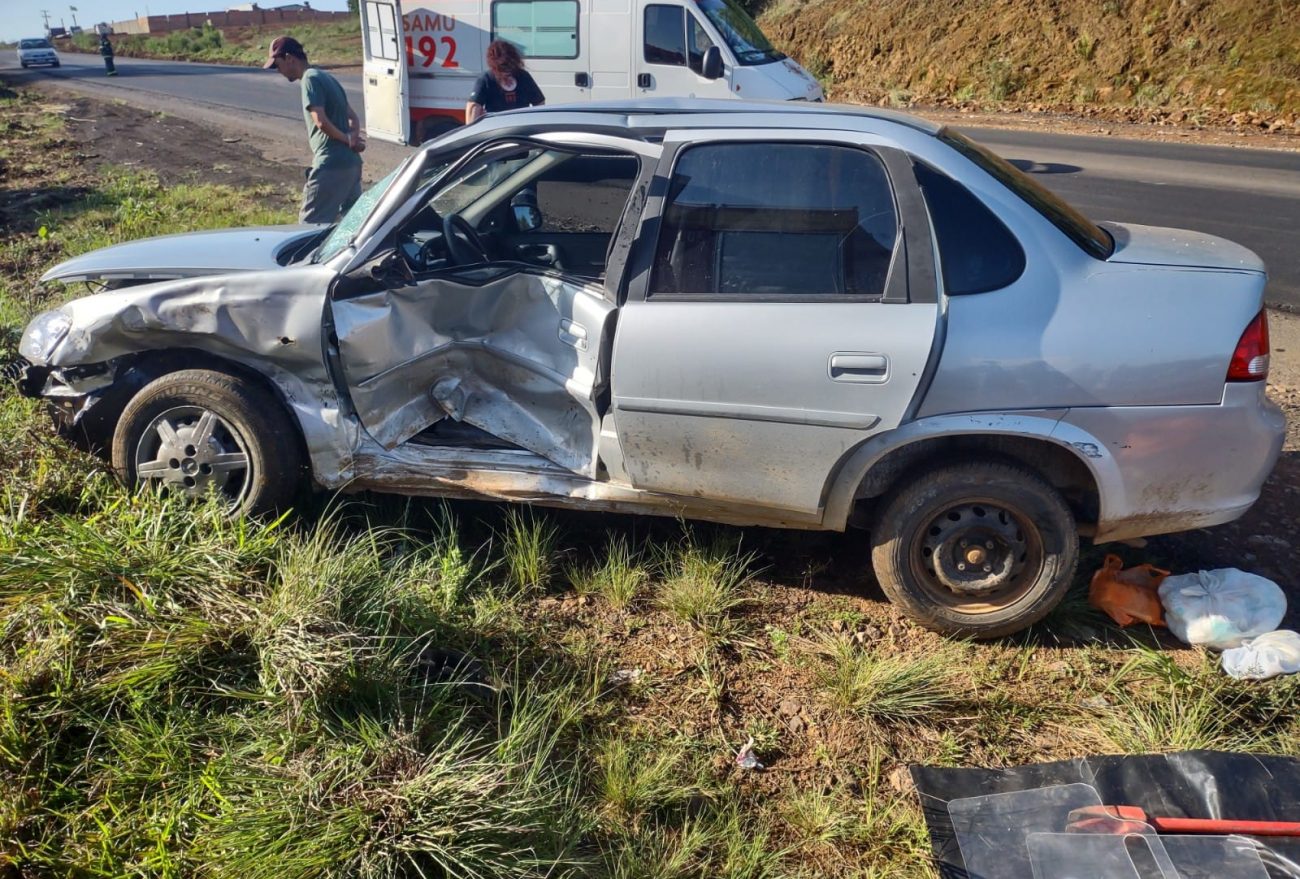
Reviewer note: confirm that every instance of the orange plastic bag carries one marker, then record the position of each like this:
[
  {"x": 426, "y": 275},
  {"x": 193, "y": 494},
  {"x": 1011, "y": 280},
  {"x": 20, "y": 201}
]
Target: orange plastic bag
[{"x": 1128, "y": 596}]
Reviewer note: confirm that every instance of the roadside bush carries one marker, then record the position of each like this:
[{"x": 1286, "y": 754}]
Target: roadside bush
[{"x": 192, "y": 43}]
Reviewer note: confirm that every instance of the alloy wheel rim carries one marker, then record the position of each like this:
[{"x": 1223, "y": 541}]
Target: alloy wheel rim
[{"x": 195, "y": 451}]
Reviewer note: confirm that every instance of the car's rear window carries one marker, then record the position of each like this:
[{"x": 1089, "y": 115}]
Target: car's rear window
[
  {"x": 1082, "y": 231},
  {"x": 35, "y": 44}
]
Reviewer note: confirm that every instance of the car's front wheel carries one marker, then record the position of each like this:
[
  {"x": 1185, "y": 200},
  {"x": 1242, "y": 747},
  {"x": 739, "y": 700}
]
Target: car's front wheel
[
  {"x": 200, "y": 431},
  {"x": 979, "y": 549}
]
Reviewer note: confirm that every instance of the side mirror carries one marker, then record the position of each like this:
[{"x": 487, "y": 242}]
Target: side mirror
[
  {"x": 390, "y": 268},
  {"x": 711, "y": 68},
  {"x": 528, "y": 216}
]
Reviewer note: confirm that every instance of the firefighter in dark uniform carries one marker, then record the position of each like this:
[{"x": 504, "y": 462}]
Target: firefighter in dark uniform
[{"x": 106, "y": 49}]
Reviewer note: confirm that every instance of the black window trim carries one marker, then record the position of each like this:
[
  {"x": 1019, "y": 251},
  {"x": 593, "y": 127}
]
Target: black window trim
[
  {"x": 577, "y": 28},
  {"x": 898, "y": 262}
]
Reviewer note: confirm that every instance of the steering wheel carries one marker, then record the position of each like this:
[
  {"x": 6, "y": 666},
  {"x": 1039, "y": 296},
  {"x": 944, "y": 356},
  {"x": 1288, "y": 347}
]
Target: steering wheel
[{"x": 463, "y": 243}]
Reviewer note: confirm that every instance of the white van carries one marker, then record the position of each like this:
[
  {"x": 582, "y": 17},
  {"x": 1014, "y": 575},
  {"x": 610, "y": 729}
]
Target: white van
[{"x": 421, "y": 63}]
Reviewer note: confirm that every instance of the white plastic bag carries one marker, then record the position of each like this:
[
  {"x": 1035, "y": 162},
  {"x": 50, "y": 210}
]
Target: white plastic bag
[
  {"x": 1220, "y": 609},
  {"x": 1269, "y": 655}
]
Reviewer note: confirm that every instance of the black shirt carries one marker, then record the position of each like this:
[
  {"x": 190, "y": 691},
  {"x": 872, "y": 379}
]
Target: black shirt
[{"x": 488, "y": 92}]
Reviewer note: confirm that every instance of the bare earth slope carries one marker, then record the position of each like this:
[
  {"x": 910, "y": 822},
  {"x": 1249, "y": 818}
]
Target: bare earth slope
[{"x": 1188, "y": 58}]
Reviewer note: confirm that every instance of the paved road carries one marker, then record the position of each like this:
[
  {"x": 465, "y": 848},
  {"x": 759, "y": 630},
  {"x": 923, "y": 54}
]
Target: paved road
[{"x": 1249, "y": 196}]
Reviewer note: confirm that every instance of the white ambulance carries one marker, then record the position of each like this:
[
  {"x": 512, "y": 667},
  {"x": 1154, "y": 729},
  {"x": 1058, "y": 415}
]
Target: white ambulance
[{"x": 421, "y": 62}]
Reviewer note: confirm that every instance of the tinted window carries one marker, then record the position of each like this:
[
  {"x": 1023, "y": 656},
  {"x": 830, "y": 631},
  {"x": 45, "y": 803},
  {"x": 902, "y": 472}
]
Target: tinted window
[
  {"x": 783, "y": 220},
  {"x": 977, "y": 252},
  {"x": 540, "y": 28},
  {"x": 1085, "y": 233},
  {"x": 665, "y": 35},
  {"x": 35, "y": 44}
]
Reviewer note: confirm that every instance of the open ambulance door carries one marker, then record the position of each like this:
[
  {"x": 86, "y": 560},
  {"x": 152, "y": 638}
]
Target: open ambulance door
[{"x": 386, "y": 86}]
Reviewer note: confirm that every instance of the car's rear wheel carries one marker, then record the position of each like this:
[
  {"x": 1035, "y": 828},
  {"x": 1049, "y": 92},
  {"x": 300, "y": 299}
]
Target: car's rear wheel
[
  {"x": 199, "y": 431},
  {"x": 979, "y": 549}
]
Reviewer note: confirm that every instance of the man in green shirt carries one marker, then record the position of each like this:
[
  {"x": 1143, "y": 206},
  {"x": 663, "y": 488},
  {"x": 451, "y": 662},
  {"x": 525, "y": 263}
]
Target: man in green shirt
[{"x": 333, "y": 130}]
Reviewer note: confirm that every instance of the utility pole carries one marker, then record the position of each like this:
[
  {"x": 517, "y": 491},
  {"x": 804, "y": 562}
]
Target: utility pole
[
  {"x": 45, "y": 14},
  {"x": 74, "y": 16}
]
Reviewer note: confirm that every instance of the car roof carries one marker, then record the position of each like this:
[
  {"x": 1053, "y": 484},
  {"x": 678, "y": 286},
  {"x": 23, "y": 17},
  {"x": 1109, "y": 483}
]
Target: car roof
[
  {"x": 700, "y": 107},
  {"x": 650, "y": 120}
]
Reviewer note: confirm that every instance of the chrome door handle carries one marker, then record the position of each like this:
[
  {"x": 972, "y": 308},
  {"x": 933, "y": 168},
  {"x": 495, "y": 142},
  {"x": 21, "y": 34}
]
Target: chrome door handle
[
  {"x": 851, "y": 366},
  {"x": 573, "y": 334}
]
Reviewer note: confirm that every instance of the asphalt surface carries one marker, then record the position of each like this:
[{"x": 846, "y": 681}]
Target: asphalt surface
[{"x": 1247, "y": 195}]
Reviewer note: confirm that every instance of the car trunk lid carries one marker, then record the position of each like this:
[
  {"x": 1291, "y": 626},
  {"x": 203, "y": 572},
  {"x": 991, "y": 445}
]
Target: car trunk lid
[{"x": 1159, "y": 246}]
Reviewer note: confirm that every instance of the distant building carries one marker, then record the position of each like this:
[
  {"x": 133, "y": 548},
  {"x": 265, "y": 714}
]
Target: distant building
[{"x": 245, "y": 15}]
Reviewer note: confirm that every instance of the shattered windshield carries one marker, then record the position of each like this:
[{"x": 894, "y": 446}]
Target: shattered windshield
[
  {"x": 356, "y": 215},
  {"x": 742, "y": 34}
]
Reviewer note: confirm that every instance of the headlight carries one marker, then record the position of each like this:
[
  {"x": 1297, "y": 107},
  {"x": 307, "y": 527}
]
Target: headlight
[{"x": 42, "y": 335}]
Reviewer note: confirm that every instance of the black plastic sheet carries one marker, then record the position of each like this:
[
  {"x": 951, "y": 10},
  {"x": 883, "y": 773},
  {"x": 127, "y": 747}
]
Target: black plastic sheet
[{"x": 1191, "y": 784}]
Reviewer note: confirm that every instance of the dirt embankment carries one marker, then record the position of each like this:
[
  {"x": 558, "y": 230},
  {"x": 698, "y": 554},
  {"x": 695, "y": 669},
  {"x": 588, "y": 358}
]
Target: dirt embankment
[{"x": 1199, "y": 62}]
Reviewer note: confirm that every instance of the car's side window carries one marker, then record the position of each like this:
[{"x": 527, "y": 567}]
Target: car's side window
[
  {"x": 775, "y": 220},
  {"x": 698, "y": 43},
  {"x": 585, "y": 194},
  {"x": 976, "y": 250},
  {"x": 665, "y": 35}
]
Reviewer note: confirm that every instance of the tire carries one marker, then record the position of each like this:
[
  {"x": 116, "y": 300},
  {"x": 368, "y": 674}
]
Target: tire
[
  {"x": 24, "y": 63},
  {"x": 56, "y": 64},
  {"x": 980, "y": 549},
  {"x": 199, "y": 430}
]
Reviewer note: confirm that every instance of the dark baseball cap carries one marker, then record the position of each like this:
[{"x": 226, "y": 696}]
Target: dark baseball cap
[{"x": 283, "y": 46}]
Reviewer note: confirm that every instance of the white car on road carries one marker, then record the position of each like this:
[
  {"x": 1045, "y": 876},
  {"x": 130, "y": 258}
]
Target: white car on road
[{"x": 37, "y": 50}]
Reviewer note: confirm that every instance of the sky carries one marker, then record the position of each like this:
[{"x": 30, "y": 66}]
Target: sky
[{"x": 22, "y": 18}]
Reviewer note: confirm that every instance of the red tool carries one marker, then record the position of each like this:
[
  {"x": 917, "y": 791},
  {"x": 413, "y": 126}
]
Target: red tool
[{"x": 1130, "y": 819}]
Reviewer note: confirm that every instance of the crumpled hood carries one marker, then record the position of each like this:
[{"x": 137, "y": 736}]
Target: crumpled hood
[
  {"x": 191, "y": 255},
  {"x": 1158, "y": 246}
]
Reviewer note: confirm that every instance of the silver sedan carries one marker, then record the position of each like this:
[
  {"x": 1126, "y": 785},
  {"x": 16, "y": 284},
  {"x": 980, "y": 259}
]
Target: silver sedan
[{"x": 794, "y": 316}]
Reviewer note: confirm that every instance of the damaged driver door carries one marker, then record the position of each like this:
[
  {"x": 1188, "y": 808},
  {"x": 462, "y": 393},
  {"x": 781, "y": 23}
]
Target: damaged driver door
[{"x": 448, "y": 322}]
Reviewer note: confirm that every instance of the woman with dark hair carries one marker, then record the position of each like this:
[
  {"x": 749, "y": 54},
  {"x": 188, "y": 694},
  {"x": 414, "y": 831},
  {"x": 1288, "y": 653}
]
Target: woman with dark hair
[{"x": 505, "y": 85}]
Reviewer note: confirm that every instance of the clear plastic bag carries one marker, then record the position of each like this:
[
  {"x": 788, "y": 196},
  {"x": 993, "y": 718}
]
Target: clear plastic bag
[
  {"x": 1269, "y": 655},
  {"x": 1143, "y": 856},
  {"x": 992, "y": 830},
  {"x": 1221, "y": 609}
]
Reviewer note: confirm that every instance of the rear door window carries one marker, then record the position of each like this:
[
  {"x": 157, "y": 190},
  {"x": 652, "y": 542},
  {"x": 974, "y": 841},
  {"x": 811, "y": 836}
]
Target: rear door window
[{"x": 775, "y": 221}]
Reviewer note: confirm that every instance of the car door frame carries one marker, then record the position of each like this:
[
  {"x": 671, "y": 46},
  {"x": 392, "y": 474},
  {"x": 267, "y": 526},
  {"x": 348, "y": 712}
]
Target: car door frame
[
  {"x": 912, "y": 278},
  {"x": 693, "y": 80},
  {"x": 598, "y": 338}
]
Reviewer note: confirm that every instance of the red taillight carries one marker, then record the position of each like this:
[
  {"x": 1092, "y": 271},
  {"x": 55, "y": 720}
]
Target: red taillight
[{"x": 1250, "y": 360}]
